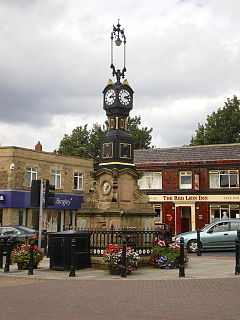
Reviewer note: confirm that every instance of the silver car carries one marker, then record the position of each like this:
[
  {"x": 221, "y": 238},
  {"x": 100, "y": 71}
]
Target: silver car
[{"x": 216, "y": 235}]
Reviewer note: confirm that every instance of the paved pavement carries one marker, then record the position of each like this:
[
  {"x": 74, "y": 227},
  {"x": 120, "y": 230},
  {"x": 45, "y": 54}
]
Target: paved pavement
[{"x": 209, "y": 291}]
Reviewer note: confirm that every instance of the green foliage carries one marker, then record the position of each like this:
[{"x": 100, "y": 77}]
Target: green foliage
[
  {"x": 221, "y": 127},
  {"x": 166, "y": 256},
  {"x": 86, "y": 143}
]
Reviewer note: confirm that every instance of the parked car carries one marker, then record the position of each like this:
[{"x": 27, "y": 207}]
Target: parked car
[
  {"x": 217, "y": 235},
  {"x": 19, "y": 234}
]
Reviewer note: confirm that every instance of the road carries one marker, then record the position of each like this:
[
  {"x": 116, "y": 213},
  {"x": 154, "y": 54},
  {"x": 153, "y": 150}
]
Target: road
[{"x": 218, "y": 253}]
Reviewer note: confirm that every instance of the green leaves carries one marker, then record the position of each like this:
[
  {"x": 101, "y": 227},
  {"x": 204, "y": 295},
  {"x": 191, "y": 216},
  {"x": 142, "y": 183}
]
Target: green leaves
[
  {"x": 221, "y": 127},
  {"x": 86, "y": 143}
]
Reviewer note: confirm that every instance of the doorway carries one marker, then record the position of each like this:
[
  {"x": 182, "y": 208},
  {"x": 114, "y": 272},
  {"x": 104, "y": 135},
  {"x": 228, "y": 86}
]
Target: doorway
[{"x": 186, "y": 219}]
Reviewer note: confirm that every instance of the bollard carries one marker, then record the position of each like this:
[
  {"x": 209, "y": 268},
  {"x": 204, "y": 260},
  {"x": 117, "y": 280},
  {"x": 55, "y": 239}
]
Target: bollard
[
  {"x": 112, "y": 230},
  {"x": 1, "y": 252},
  {"x": 199, "y": 249},
  {"x": 237, "y": 252},
  {"x": 73, "y": 258},
  {"x": 8, "y": 255},
  {"x": 181, "y": 258},
  {"x": 123, "y": 264},
  {"x": 30, "y": 266}
]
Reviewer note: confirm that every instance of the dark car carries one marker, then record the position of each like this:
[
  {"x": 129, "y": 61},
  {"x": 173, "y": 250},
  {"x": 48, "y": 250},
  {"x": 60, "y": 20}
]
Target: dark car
[{"x": 19, "y": 235}]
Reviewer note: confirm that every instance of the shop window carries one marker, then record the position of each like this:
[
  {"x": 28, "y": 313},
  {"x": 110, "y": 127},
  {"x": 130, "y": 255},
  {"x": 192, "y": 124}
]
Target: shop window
[
  {"x": 31, "y": 174},
  {"x": 223, "y": 179},
  {"x": 56, "y": 178},
  {"x": 151, "y": 180},
  {"x": 78, "y": 181},
  {"x": 185, "y": 178}
]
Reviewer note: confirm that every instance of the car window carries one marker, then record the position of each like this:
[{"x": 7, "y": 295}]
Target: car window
[
  {"x": 220, "y": 227},
  {"x": 7, "y": 231},
  {"x": 235, "y": 225}
]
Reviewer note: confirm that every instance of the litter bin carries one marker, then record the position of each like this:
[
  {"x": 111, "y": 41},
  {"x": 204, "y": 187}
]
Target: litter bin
[{"x": 60, "y": 249}]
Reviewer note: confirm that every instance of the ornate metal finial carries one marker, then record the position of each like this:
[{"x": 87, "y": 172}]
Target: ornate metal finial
[{"x": 118, "y": 36}]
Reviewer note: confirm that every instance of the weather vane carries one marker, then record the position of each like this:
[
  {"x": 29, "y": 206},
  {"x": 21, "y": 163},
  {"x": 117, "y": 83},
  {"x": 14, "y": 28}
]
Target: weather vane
[{"x": 118, "y": 36}]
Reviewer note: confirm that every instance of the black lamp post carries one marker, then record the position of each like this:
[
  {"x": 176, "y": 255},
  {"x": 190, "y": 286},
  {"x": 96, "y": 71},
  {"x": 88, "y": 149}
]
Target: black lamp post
[{"x": 118, "y": 36}]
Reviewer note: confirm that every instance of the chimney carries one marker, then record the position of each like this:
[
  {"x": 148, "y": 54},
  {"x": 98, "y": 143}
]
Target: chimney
[{"x": 38, "y": 146}]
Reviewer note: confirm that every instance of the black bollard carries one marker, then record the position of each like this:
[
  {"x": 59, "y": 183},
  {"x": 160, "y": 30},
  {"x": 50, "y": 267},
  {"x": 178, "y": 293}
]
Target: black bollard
[
  {"x": 123, "y": 264},
  {"x": 8, "y": 255},
  {"x": 1, "y": 252},
  {"x": 30, "y": 266},
  {"x": 181, "y": 258},
  {"x": 237, "y": 252},
  {"x": 73, "y": 258},
  {"x": 199, "y": 249}
]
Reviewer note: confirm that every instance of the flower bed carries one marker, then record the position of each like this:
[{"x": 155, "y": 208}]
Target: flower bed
[
  {"x": 112, "y": 256},
  {"x": 166, "y": 256},
  {"x": 21, "y": 256}
]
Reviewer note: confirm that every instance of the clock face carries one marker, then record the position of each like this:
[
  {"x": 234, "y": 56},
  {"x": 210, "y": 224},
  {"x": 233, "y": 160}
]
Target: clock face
[
  {"x": 110, "y": 97},
  {"x": 124, "y": 97},
  {"x": 106, "y": 187}
]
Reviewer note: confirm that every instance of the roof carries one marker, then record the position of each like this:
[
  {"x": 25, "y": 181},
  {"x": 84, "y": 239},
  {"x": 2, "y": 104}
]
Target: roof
[{"x": 188, "y": 154}]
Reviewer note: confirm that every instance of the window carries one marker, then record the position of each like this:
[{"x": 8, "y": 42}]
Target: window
[
  {"x": 78, "y": 181},
  {"x": 31, "y": 174},
  {"x": 223, "y": 211},
  {"x": 56, "y": 178},
  {"x": 151, "y": 180},
  {"x": 221, "y": 227},
  {"x": 223, "y": 179},
  {"x": 185, "y": 180}
]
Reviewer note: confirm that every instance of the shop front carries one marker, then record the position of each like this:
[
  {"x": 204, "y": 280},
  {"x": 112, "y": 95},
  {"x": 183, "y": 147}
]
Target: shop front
[
  {"x": 15, "y": 210},
  {"x": 191, "y": 212}
]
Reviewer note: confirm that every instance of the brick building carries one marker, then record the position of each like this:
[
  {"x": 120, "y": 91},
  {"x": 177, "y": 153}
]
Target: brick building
[
  {"x": 19, "y": 166},
  {"x": 191, "y": 186}
]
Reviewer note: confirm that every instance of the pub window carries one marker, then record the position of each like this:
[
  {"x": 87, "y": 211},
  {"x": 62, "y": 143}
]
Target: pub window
[
  {"x": 185, "y": 178},
  {"x": 151, "y": 180},
  {"x": 223, "y": 179},
  {"x": 31, "y": 174},
  {"x": 78, "y": 181},
  {"x": 223, "y": 211},
  {"x": 56, "y": 178}
]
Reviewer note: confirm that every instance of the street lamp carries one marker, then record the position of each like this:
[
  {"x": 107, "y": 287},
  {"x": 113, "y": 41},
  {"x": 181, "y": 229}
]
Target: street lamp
[{"x": 118, "y": 36}]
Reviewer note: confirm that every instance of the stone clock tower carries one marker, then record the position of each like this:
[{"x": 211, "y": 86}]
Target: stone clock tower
[{"x": 115, "y": 198}]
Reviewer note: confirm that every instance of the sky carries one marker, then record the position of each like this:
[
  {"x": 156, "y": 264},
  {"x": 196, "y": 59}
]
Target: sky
[{"x": 182, "y": 60}]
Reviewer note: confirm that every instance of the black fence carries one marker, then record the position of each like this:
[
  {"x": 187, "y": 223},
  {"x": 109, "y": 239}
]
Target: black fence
[{"x": 141, "y": 241}]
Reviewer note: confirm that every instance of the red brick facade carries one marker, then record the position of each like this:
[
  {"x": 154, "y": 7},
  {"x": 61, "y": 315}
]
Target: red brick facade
[{"x": 191, "y": 208}]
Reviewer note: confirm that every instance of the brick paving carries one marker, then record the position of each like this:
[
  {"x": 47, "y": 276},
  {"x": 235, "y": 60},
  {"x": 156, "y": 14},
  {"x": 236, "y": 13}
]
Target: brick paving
[
  {"x": 195, "y": 299},
  {"x": 210, "y": 291}
]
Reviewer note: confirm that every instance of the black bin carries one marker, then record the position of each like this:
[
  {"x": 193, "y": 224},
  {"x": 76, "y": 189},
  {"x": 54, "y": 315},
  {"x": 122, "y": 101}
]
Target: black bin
[{"x": 60, "y": 249}]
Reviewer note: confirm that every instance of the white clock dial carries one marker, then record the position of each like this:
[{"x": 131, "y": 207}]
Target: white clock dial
[
  {"x": 106, "y": 187},
  {"x": 124, "y": 97},
  {"x": 110, "y": 97}
]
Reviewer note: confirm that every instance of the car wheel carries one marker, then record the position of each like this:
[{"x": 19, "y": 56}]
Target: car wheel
[{"x": 192, "y": 246}]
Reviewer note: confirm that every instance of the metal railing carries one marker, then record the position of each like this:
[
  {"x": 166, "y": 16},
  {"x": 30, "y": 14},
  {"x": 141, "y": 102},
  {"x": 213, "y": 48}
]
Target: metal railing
[{"x": 141, "y": 241}]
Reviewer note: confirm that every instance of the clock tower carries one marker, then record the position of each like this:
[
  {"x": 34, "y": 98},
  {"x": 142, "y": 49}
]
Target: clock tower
[{"x": 115, "y": 198}]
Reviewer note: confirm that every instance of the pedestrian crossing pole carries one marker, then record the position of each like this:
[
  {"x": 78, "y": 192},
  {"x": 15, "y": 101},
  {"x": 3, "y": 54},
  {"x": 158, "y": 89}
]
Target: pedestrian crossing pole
[{"x": 40, "y": 214}]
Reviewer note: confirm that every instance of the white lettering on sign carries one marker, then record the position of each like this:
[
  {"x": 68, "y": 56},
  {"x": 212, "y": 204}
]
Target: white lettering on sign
[
  {"x": 2, "y": 197},
  {"x": 63, "y": 202}
]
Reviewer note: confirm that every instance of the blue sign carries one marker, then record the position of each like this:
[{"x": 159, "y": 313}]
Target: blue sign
[{"x": 21, "y": 199}]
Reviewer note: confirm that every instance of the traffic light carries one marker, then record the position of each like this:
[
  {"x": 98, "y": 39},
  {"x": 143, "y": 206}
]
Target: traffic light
[
  {"x": 35, "y": 193},
  {"x": 49, "y": 196}
]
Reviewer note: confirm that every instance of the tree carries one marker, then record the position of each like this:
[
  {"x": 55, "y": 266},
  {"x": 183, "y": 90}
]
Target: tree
[
  {"x": 86, "y": 143},
  {"x": 221, "y": 127}
]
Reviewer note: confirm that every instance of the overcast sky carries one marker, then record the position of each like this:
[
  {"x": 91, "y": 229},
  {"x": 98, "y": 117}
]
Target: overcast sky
[{"x": 183, "y": 63}]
